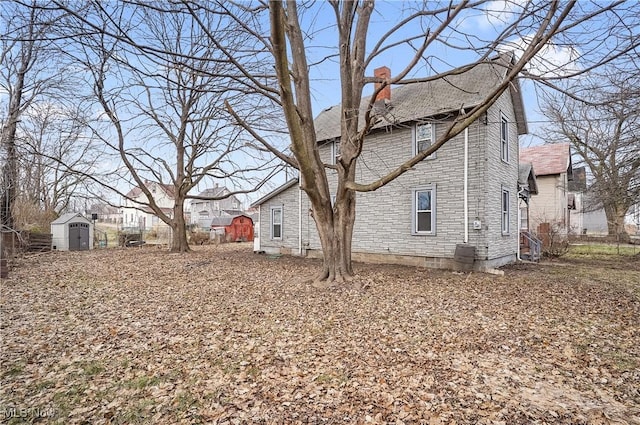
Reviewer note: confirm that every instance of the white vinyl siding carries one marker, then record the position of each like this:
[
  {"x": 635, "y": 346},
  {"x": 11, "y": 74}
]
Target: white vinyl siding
[{"x": 424, "y": 211}]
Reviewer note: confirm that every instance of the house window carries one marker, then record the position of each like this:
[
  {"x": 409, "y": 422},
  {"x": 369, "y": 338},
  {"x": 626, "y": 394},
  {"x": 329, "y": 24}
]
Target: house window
[
  {"x": 504, "y": 138},
  {"x": 424, "y": 211},
  {"x": 524, "y": 218},
  {"x": 276, "y": 222},
  {"x": 505, "y": 211},
  {"x": 423, "y": 138},
  {"x": 335, "y": 151}
]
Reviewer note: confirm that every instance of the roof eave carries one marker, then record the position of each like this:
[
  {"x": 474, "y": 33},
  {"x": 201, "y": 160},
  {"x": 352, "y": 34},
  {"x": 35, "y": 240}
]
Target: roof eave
[
  {"x": 518, "y": 106},
  {"x": 274, "y": 192}
]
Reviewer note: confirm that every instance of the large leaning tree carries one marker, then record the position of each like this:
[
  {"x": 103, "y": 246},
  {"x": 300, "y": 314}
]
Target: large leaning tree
[
  {"x": 160, "y": 89},
  {"x": 419, "y": 32},
  {"x": 600, "y": 117}
]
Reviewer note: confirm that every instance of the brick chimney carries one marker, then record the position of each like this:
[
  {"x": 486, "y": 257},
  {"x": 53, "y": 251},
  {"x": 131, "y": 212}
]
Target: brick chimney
[{"x": 385, "y": 93}]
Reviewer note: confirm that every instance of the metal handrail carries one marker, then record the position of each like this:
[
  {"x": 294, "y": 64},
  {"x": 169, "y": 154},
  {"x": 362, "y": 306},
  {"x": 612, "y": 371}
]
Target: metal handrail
[{"x": 534, "y": 244}]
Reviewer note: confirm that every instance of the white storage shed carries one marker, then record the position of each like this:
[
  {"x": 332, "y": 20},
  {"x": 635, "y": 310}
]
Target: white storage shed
[{"x": 72, "y": 232}]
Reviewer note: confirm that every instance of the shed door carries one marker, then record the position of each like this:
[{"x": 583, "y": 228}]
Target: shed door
[{"x": 78, "y": 236}]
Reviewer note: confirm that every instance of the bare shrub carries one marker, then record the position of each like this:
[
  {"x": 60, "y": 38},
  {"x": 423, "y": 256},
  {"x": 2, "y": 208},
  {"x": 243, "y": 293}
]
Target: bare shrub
[{"x": 199, "y": 238}]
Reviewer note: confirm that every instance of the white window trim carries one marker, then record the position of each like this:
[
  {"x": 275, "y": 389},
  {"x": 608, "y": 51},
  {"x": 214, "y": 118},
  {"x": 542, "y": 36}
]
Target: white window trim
[
  {"x": 281, "y": 209},
  {"x": 504, "y": 141},
  {"x": 414, "y": 142},
  {"x": 505, "y": 225},
  {"x": 414, "y": 210}
]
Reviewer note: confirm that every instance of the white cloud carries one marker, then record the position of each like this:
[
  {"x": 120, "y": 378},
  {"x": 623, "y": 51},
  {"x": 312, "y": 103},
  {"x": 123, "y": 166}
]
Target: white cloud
[
  {"x": 495, "y": 14},
  {"x": 552, "y": 61}
]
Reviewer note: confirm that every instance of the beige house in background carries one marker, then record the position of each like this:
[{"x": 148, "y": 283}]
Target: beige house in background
[{"x": 553, "y": 169}]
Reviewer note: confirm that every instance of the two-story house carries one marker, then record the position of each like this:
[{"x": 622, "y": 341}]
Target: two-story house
[
  {"x": 553, "y": 168},
  {"x": 204, "y": 210},
  {"x": 464, "y": 195},
  {"x": 137, "y": 215}
]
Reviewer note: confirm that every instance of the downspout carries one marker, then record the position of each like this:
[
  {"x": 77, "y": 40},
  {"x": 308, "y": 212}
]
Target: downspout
[
  {"x": 300, "y": 219},
  {"x": 519, "y": 219},
  {"x": 466, "y": 185}
]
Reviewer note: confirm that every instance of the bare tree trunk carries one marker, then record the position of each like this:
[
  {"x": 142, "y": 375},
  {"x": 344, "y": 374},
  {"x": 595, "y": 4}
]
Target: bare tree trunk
[
  {"x": 615, "y": 221},
  {"x": 9, "y": 142},
  {"x": 335, "y": 228},
  {"x": 179, "y": 242}
]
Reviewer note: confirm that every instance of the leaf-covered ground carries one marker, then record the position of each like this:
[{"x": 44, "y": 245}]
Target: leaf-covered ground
[{"x": 222, "y": 335}]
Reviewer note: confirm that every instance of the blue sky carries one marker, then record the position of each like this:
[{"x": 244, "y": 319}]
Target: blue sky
[{"x": 482, "y": 24}]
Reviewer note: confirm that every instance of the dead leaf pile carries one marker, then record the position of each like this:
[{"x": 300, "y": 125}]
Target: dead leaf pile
[{"x": 222, "y": 335}]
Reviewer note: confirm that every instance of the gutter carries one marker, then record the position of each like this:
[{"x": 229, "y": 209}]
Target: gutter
[
  {"x": 466, "y": 185},
  {"x": 300, "y": 219}
]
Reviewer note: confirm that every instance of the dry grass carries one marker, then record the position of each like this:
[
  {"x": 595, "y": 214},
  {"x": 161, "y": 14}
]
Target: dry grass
[{"x": 222, "y": 335}]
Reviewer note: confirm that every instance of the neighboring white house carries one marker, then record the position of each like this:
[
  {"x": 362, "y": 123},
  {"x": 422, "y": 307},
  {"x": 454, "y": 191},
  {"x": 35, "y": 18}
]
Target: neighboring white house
[
  {"x": 71, "y": 232},
  {"x": 204, "y": 210},
  {"x": 135, "y": 215},
  {"x": 438, "y": 208},
  {"x": 588, "y": 216}
]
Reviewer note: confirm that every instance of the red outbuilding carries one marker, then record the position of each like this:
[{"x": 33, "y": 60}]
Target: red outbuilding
[{"x": 235, "y": 228}]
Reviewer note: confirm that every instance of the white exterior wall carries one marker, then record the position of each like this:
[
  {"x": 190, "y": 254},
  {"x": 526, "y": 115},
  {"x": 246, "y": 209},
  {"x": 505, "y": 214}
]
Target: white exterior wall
[
  {"x": 550, "y": 204},
  {"x": 132, "y": 217},
  {"x": 60, "y": 237},
  {"x": 587, "y": 222},
  {"x": 384, "y": 218}
]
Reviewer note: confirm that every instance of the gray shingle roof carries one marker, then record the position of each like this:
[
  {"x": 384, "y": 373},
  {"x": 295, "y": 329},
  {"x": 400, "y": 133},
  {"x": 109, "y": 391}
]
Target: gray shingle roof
[
  {"x": 213, "y": 192},
  {"x": 275, "y": 192},
  {"x": 64, "y": 218},
  {"x": 226, "y": 220},
  {"x": 527, "y": 177},
  {"x": 414, "y": 101}
]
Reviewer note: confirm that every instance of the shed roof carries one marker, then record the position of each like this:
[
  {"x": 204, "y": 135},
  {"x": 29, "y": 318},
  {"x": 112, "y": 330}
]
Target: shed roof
[
  {"x": 226, "y": 220},
  {"x": 416, "y": 101},
  {"x": 67, "y": 217},
  {"x": 548, "y": 159}
]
